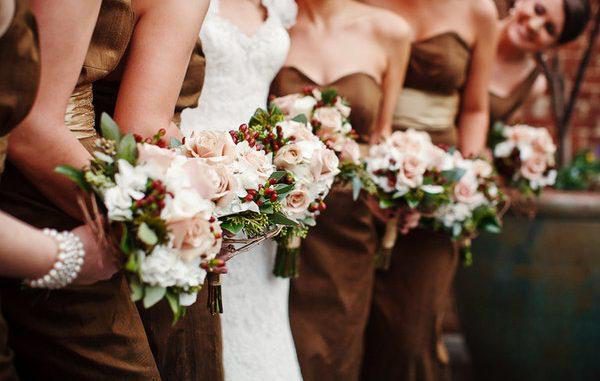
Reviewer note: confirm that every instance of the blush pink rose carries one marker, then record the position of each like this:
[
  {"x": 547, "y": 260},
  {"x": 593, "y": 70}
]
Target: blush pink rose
[
  {"x": 159, "y": 159},
  {"x": 210, "y": 144},
  {"x": 465, "y": 190},
  {"x": 196, "y": 237},
  {"x": 411, "y": 171},
  {"x": 297, "y": 201},
  {"x": 330, "y": 119},
  {"x": 286, "y": 103},
  {"x": 534, "y": 167},
  {"x": 204, "y": 179},
  {"x": 350, "y": 152},
  {"x": 288, "y": 157}
]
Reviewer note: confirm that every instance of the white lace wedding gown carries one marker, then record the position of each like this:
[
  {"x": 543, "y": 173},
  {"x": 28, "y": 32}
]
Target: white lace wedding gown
[{"x": 257, "y": 340}]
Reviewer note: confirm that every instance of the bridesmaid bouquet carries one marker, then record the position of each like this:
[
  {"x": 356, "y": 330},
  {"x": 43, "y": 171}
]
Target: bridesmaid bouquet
[
  {"x": 411, "y": 175},
  {"x": 310, "y": 169},
  {"x": 327, "y": 113},
  {"x": 432, "y": 187},
  {"x": 525, "y": 156},
  {"x": 474, "y": 204},
  {"x": 160, "y": 213}
]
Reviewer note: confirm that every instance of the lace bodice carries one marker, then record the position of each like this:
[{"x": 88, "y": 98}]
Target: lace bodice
[{"x": 239, "y": 67}]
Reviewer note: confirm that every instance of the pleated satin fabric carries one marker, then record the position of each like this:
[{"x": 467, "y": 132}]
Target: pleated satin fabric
[
  {"x": 329, "y": 302},
  {"x": 19, "y": 81}
]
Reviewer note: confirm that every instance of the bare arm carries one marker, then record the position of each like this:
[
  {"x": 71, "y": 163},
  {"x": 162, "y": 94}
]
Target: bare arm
[
  {"x": 398, "y": 47},
  {"x": 43, "y": 141},
  {"x": 473, "y": 120},
  {"x": 161, "y": 47}
]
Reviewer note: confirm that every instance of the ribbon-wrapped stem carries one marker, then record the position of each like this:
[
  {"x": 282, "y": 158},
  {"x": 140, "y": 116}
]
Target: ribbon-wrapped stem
[
  {"x": 383, "y": 257},
  {"x": 287, "y": 258},
  {"x": 215, "y": 299}
]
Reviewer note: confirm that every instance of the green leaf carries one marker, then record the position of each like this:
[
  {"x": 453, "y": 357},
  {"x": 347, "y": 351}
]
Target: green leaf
[
  {"x": 328, "y": 96},
  {"x": 125, "y": 244},
  {"x": 174, "y": 304},
  {"x": 153, "y": 295},
  {"x": 453, "y": 175},
  {"x": 267, "y": 208},
  {"x": 309, "y": 221},
  {"x": 127, "y": 149},
  {"x": 232, "y": 227},
  {"x": 356, "y": 187},
  {"x": 137, "y": 290},
  {"x": 109, "y": 128},
  {"x": 147, "y": 235},
  {"x": 282, "y": 189},
  {"x": 492, "y": 228},
  {"x": 280, "y": 219},
  {"x": 75, "y": 175},
  {"x": 277, "y": 175},
  {"x": 132, "y": 264},
  {"x": 300, "y": 118}
]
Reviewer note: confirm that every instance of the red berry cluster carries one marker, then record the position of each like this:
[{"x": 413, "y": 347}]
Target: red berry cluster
[
  {"x": 218, "y": 235},
  {"x": 307, "y": 90},
  {"x": 317, "y": 206},
  {"x": 213, "y": 265},
  {"x": 269, "y": 140},
  {"x": 267, "y": 192},
  {"x": 155, "y": 198},
  {"x": 157, "y": 139}
]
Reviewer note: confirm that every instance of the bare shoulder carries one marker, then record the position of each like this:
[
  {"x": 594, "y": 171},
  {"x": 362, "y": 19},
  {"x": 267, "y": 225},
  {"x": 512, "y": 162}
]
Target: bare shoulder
[
  {"x": 484, "y": 11},
  {"x": 385, "y": 24}
]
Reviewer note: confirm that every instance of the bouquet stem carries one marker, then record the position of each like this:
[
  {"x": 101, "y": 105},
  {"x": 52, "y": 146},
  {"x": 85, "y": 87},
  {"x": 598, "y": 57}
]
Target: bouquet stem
[
  {"x": 383, "y": 258},
  {"x": 214, "y": 301},
  {"x": 288, "y": 258}
]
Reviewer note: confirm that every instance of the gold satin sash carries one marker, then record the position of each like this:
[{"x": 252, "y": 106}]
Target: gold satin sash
[
  {"x": 424, "y": 110},
  {"x": 80, "y": 116}
]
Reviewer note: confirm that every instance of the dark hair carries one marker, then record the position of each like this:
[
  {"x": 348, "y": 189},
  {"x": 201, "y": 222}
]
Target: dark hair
[{"x": 577, "y": 15}]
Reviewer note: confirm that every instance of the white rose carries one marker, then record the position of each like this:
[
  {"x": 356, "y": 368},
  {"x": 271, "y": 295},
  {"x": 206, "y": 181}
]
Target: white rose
[
  {"x": 342, "y": 108},
  {"x": 295, "y": 130},
  {"x": 186, "y": 204},
  {"x": 304, "y": 106}
]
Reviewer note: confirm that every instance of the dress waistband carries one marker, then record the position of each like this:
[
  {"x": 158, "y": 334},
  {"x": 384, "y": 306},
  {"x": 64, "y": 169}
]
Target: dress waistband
[{"x": 427, "y": 111}]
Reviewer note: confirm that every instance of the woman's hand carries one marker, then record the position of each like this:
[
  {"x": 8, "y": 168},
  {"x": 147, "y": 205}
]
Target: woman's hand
[{"x": 100, "y": 262}]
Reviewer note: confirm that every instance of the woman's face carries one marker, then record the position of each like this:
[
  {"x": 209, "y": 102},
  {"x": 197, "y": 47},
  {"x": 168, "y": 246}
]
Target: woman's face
[{"x": 536, "y": 25}]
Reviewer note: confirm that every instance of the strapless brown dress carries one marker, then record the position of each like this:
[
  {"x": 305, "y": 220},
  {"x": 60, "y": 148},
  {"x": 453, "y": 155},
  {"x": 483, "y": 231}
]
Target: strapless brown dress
[
  {"x": 19, "y": 81},
  {"x": 192, "y": 349},
  {"x": 502, "y": 108},
  {"x": 329, "y": 302},
  {"x": 403, "y": 338}
]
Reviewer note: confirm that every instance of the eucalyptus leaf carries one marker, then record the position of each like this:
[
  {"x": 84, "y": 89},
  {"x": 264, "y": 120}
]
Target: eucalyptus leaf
[
  {"x": 137, "y": 290},
  {"x": 300, "y": 118},
  {"x": 173, "y": 303},
  {"x": 174, "y": 143},
  {"x": 453, "y": 175},
  {"x": 147, "y": 235},
  {"x": 153, "y": 295},
  {"x": 127, "y": 149},
  {"x": 109, "y": 128},
  {"x": 309, "y": 221},
  {"x": 75, "y": 175},
  {"x": 356, "y": 187}
]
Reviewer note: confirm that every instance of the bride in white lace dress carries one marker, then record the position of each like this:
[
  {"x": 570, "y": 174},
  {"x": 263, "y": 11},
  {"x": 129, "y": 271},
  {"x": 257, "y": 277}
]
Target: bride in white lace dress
[{"x": 257, "y": 340}]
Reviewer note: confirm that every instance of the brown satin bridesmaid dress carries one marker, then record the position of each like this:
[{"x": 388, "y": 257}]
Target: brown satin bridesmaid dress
[
  {"x": 192, "y": 349},
  {"x": 403, "y": 337},
  {"x": 19, "y": 80},
  {"x": 503, "y": 107},
  {"x": 78, "y": 333},
  {"x": 329, "y": 301}
]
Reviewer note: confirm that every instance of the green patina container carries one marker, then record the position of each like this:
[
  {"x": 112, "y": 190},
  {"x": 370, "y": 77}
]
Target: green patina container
[{"x": 530, "y": 304}]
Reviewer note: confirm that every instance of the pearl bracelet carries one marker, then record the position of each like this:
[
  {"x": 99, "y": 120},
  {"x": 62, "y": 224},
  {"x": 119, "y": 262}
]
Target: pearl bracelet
[{"x": 68, "y": 261}]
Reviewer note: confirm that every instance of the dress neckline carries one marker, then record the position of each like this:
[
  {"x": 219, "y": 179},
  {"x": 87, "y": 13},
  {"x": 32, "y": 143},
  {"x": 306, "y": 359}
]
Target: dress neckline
[
  {"x": 339, "y": 79},
  {"x": 216, "y": 13},
  {"x": 455, "y": 35},
  {"x": 531, "y": 77}
]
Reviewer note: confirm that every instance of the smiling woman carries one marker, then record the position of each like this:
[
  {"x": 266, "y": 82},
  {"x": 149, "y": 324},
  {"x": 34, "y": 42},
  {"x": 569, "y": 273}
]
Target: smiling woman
[{"x": 531, "y": 27}]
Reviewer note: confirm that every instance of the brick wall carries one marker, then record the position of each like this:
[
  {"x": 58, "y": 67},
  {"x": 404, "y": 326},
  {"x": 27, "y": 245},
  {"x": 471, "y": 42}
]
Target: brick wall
[{"x": 586, "y": 117}]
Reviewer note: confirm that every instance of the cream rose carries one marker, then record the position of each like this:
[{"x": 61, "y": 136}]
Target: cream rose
[
  {"x": 411, "y": 171},
  {"x": 295, "y": 130},
  {"x": 296, "y": 202},
  {"x": 196, "y": 237},
  {"x": 350, "y": 152},
  {"x": 288, "y": 157},
  {"x": 286, "y": 103},
  {"x": 330, "y": 119},
  {"x": 533, "y": 169},
  {"x": 210, "y": 144},
  {"x": 342, "y": 108}
]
